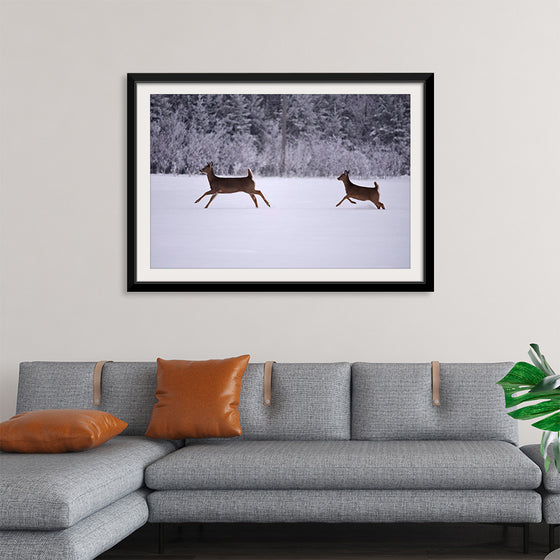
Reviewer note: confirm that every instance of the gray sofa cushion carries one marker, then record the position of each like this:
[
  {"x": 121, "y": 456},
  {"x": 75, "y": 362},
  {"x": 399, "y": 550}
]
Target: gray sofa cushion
[
  {"x": 551, "y": 508},
  {"x": 339, "y": 506},
  {"x": 45, "y": 385},
  {"x": 551, "y": 479},
  {"x": 54, "y": 491},
  {"x": 345, "y": 465},
  {"x": 309, "y": 402},
  {"x": 85, "y": 540},
  {"x": 127, "y": 389},
  {"x": 394, "y": 401}
]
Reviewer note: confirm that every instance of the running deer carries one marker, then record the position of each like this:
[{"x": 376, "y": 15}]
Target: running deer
[
  {"x": 219, "y": 185},
  {"x": 360, "y": 193}
]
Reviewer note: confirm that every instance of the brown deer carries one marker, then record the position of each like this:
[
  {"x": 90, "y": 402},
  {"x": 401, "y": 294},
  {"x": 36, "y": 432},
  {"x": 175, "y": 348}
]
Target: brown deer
[
  {"x": 219, "y": 185},
  {"x": 360, "y": 193}
]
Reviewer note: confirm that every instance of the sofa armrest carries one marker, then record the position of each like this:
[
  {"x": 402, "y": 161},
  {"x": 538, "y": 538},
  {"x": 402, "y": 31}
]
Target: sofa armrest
[{"x": 551, "y": 479}]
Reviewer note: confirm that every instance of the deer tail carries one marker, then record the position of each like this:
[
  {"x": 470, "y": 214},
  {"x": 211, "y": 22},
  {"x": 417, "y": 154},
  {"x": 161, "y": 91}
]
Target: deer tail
[
  {"x": 249, "y": 174},
  {"x": 376, "y": 185}
]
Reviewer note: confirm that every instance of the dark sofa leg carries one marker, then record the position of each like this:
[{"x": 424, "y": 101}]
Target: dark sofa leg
[
  {"x": 525, "y": 538},
  {"x": 551, "y": 544},
  {"x": 161, "y": 538}
]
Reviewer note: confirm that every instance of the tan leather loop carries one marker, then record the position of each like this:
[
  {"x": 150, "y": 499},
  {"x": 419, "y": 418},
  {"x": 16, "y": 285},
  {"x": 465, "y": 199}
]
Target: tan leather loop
[
  {"x": 97, "y": 370},
  {"x": 268, "y": 383},
  {"x": 435, "y": 384}
]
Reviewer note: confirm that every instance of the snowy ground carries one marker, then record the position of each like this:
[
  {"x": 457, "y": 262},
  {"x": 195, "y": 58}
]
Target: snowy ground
[{"x": 302, "y": 229}]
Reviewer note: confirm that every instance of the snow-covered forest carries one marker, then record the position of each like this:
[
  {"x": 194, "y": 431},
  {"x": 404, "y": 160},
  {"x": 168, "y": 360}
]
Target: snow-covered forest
[{"x": 281, "y": 135}]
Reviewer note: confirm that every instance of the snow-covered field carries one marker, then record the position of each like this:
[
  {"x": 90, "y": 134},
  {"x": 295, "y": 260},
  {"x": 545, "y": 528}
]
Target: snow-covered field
[{"x": 302, "y": 229}]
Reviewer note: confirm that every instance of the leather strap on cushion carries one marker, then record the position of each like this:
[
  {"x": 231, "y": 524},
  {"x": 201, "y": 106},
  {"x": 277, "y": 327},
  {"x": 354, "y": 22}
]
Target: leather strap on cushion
[
  {"x": 435, "y": 383},
  {"x": 268, "y": 383},
  {"x": 97, "y": 381}
]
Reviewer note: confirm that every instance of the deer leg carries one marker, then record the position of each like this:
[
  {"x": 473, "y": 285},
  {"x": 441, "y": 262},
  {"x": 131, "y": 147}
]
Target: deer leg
[
  {"x": 199, "y": 199},
  {"x": 381, "y": 205},
  {"x": 254, "y": 199},
  {"x": 352, "y": 201},
  {"x": 346, "y": 197},
  {"x": 211, "y": 199},
  {"x": 262, "y": 196}
]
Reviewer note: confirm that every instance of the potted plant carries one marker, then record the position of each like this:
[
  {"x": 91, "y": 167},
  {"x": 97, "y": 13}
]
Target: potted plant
[{"x": 526, "y": 383}]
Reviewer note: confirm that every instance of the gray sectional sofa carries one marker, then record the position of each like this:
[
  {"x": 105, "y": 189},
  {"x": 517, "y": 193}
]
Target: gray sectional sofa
[{"x": 340, "y": 442}]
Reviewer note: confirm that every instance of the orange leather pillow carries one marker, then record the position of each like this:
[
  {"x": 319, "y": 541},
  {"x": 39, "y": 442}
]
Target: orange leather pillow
[
  {"x": 58, "y": 431},
  {"x": 197, "y": 399}
]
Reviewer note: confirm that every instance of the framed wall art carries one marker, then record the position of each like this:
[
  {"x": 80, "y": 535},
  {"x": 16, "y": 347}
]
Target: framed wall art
[{"x": 280, "y": 182}]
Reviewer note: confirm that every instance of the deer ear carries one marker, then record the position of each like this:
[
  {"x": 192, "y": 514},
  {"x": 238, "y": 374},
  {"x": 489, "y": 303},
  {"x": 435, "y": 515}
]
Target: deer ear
[{"x": 211, "y": 163}]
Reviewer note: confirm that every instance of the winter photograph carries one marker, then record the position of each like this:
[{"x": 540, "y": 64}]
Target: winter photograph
[{"x": 280, "y": 181}]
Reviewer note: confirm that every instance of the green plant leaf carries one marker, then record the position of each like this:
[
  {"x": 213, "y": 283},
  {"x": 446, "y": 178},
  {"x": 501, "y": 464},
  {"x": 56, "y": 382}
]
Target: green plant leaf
[
  {"x": 535, "y": 348},
  {"x": 550, "y": 449},
  {"x": 522, "y": 375},
  {"x": 534, "y": 358},
  {"x": 548, "y": 368},
  {"x": 547, "y": 384},
  {"x": 547, "y": 437},
  {"x": 526, "y": 383},
  {"x": 538, "y": 358},
  {"x": 514, "y": 397},
  {"x": 536, "y": 410},
  {"x": 556, "y": 452},
  {"x": 550, "y": 423}
]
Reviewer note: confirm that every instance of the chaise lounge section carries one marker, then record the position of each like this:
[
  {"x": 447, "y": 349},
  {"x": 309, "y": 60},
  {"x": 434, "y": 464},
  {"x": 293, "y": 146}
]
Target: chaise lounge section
[{"x": 74, "y": 506}]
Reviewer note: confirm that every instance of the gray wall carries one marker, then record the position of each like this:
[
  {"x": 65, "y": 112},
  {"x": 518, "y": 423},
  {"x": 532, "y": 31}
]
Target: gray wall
[{"x": 63, "y": 148}]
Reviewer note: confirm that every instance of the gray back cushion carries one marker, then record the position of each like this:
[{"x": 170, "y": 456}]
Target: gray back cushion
[
  {"x": 309, "y": 401},
  {"x": 127, "y": 389},
  {"x": 394, "y": 401},
  {"x": 45, "y": 385}
]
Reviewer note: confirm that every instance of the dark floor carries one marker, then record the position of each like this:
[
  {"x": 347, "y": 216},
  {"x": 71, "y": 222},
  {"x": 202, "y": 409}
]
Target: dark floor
[{"x": 333, "y": 542}]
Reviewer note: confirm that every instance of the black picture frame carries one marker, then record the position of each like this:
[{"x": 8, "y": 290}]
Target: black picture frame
[{"x": 424, "y": 82}]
